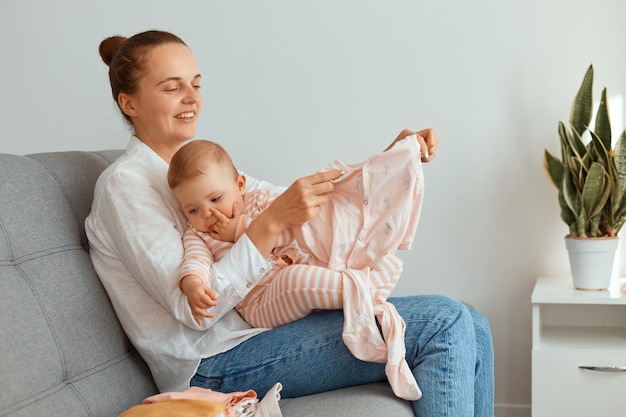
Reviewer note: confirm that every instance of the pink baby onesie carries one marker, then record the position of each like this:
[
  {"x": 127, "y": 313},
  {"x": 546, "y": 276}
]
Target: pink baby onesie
[{"x": 373, "y": 211}]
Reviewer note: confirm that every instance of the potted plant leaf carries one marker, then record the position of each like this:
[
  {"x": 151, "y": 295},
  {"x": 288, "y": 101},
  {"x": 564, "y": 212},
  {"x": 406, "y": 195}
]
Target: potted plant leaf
[{"x": 591, "y": 178}]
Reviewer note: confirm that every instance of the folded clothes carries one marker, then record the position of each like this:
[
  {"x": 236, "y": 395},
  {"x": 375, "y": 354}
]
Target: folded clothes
[
  {"x": 237, "y": 404},
  {"x": 177, "y": 408},
  {"x": 203, "y": 402}
]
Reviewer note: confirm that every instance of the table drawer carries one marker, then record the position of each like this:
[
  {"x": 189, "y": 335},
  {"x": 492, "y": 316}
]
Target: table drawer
[{"x": 561, "y": 388}]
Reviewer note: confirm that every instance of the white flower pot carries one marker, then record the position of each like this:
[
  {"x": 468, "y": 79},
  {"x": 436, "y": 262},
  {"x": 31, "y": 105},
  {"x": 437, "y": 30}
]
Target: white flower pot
[{"x": 591, "y": 261}]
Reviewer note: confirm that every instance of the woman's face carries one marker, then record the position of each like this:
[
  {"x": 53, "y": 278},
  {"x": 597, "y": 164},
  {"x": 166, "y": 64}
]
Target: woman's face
[{"x": 166, "y": 106}]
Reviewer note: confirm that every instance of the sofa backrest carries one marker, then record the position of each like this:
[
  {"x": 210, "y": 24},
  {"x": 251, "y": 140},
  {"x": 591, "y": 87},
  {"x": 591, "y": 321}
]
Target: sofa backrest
[{"x": 62, "y": 349}]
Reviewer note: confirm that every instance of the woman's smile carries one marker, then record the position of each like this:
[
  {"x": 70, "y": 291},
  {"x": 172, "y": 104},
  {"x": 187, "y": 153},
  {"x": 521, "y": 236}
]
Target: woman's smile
[{"x": 187, "y": 115}]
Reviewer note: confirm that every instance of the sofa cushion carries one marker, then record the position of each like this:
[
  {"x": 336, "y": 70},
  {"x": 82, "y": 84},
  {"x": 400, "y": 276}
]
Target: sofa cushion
[
  {"x": 364, "y": 400},
  {"x": 63, "y": 350}
]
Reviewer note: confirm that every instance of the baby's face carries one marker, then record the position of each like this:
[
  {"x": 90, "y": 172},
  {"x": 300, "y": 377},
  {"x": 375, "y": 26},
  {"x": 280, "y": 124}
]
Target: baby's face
[{"x": 218, "y": 188}]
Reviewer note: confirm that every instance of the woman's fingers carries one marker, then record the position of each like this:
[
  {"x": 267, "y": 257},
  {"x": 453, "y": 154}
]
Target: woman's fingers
[
  {"x": 431, "y": 141},
  {"x": 325, "y": 176},
  {"x": 427, "y": 139},
  {"x": 317, "y": 186},
  {"x": 322, "y": 178},
  {"x": 302, "y": 200}
]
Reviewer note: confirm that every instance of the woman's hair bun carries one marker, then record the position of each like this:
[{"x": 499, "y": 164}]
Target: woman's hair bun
[{"x": 109, "y": 47}]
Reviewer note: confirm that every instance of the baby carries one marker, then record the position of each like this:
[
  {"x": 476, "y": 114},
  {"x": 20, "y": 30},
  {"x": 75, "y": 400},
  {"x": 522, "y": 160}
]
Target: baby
[{"x": 342, "y": 257}]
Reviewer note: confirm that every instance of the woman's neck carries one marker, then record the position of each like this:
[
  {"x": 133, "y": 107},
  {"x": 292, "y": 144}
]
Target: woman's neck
[
  {"x": 165, "y": 154},
  {"x": 164, "y": 150}
]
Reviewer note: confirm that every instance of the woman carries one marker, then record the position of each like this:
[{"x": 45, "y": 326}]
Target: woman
[{"x": 134, "y": 231}]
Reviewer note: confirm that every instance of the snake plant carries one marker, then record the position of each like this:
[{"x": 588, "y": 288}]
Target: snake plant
[{"x": 591, "y": 177}]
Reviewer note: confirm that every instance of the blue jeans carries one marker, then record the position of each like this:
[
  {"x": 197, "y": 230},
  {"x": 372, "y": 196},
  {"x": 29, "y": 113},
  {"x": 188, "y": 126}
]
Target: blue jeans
[{"x": 448, "y": 347}]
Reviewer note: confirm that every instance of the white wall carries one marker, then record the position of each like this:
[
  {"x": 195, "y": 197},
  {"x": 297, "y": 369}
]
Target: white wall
[{"x": 291, "y": 85}]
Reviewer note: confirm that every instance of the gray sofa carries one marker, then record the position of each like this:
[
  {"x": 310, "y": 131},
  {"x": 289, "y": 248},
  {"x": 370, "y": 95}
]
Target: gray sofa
[{"x": 62, "y": 350}]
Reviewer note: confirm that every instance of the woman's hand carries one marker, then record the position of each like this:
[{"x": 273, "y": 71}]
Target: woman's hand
[
  {"x": 296, "y": 205},
  {"x": 427, "y": 140},
  {"x": 302, "y": 200}
]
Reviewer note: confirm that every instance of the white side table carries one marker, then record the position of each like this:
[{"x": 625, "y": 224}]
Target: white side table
[{"x": 578, "y": 350}]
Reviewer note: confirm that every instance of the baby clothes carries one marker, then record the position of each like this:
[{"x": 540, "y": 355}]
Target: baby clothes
[
  {"x": 373, "y": 211},
  {"x": 204, "y": 402},
  {"x": 236, "y": 404},
  {"x": 177, "y": 408},
  {"x": 294, "y": 291}
]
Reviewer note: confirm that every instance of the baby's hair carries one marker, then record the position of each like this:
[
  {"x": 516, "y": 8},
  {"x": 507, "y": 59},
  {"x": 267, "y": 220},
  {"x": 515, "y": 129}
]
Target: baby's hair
[{"x": 191, "y": 160}]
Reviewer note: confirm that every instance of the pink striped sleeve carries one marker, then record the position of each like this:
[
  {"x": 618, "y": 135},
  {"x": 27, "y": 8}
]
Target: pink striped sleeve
[{"x": 198, "y": 256}]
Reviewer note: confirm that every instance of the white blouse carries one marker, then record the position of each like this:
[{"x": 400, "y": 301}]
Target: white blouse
[{"x": 134, "y": 231}]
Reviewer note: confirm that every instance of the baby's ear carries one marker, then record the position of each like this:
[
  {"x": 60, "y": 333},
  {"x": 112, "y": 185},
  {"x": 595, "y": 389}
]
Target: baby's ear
[{"x": 241, "y": 183}]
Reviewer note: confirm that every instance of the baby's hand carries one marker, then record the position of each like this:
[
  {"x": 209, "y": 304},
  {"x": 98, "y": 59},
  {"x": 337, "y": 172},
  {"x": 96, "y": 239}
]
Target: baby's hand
[
  {"x": 199, "y": 296},
  {"x": 225, "y": 228}
]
